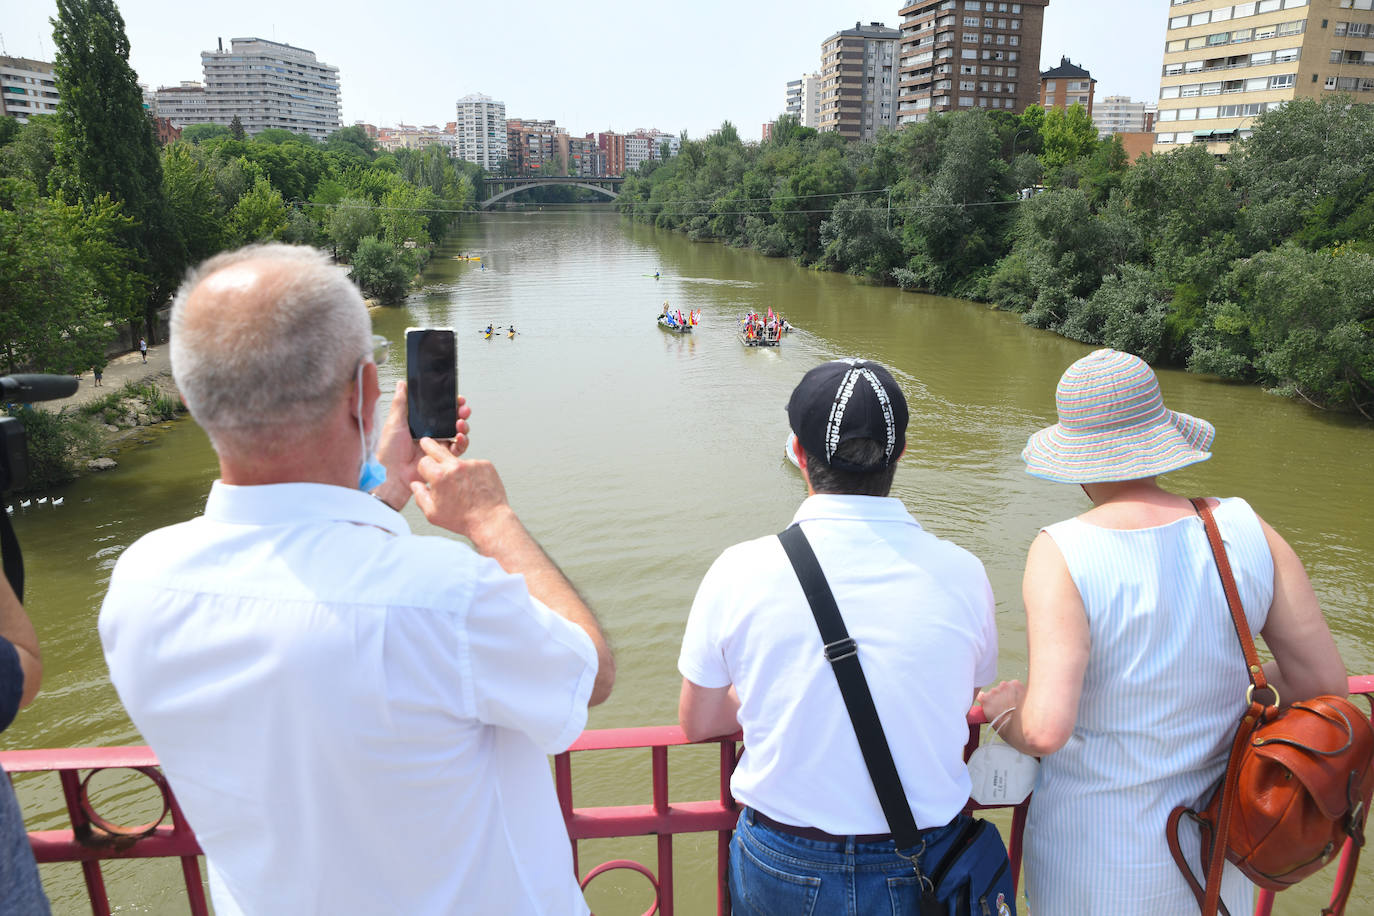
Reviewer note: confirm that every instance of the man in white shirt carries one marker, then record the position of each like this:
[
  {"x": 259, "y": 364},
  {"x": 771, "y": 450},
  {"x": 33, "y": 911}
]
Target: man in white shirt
[
  {"x": 812, "y": 836},
  {"x": 355, "y": 719}
]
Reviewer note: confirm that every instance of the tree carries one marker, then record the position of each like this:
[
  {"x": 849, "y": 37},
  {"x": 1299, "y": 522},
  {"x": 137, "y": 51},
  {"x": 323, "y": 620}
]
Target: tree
[
  {"x": 259, "y": 215},
  {"x": 1069, "y": 134},
  {"x": 350, "y": 221},
  {"x": 105, "y": 143},
  {"x": 379, "y": 271},
  {"x": 30, "y": 154},
  {"x": 54, "y": 308},
  {"x": 197, "y": 208},
  {"x": 199, "y": 133},
  {"x": 236, "y": 128}
]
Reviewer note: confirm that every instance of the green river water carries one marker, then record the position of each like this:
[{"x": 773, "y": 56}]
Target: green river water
[{"x": 636, "y": 456}]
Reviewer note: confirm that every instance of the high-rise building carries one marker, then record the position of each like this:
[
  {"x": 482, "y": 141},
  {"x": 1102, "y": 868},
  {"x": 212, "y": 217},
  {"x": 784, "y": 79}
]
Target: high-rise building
[
  {"x": 961, "y": 54},
  {"x": 27, "y": 88},
  {"x": 181, "y": 105},
  {"x": 858, "y": 93},
  {"x": 1067, "y": 85},
  {"x": 481, "y": 129},
  {"x": 804, "y": 100},
  {"x": 1118, "y": 114},
  {"x": 266, "y": 84},
  {"x": 535, "y": 147},
  {"x": 1226, "y": 63}
]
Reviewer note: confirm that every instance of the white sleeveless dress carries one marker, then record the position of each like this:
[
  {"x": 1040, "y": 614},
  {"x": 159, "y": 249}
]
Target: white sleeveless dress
[{"x": 1162, "y": 696}]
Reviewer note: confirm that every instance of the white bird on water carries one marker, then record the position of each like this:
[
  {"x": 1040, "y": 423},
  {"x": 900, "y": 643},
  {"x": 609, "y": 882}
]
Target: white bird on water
[
  {"x": 58, "y": 501},
  {"x": 42, "y": 500},
  {"x": 24, "y": 503},
  {"x": 9, "y": 509}
]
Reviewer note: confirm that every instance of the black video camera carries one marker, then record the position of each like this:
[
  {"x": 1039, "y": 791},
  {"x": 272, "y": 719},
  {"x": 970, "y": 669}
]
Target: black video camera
[{"x": 14, "y": 450}]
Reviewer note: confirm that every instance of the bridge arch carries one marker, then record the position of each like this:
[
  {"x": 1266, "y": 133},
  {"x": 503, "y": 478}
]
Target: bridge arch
[{"x": 545, "y": 183}]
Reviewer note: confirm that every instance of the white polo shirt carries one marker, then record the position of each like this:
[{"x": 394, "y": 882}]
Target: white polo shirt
[
  {"x": 921, "y": 611},
  {"x": 354, "y": 719}
]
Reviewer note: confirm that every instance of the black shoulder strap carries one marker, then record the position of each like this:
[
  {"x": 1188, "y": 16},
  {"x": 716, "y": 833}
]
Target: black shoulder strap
[{"x": 843, "y": 654}]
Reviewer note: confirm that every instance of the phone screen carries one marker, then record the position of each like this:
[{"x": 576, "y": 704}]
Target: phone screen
[{"x": 432, "y": 382}]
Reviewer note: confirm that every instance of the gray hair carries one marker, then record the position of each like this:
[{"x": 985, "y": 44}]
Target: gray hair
[{"x": 282, "y": 365}]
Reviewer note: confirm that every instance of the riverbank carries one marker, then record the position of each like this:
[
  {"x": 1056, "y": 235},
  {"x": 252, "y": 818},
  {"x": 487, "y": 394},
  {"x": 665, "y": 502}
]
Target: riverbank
[{"x": 73, "y": 436}]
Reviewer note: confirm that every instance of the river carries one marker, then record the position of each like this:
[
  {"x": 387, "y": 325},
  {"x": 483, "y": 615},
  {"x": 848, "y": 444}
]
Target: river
[{"x": 636, "y": 456}]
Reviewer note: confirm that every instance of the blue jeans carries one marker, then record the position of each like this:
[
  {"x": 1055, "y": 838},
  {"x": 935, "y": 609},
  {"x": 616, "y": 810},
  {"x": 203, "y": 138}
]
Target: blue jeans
[{"x": 777, "y": 874}]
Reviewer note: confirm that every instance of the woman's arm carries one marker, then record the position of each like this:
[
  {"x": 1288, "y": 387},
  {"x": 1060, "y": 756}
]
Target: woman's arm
[
  {"x": 18, "y": 629},
  {"x": 1058, "y": 642},
  {"x": 1306, "y": 662}
]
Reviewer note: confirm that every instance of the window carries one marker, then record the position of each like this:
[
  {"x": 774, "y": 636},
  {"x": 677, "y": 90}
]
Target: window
[
  {"x": 1168, "y": 92},
  {"x": 1222, "y": 14},
  {"x": 1168, "y": 114},
  {"x": 972, "y": 5},
  {"x": 1013, "y": 40},
  {"x": 1049, "y": 101},
  {"x": 1200, "y": 18},
  {"x": 1050, "y": 85},
  {"x": 1268, "y": 6},
  {"x": 1016, "y": 23},
  {"x": 1178, "y": 22},
  {"x": 970, "y": 22},
  {"x": 1175, "y": 45},
  {"x": 1285, "y": 55},
  {"x": 1331, "y": 80},
  {"x": 1284, "y": 81},
  {"x": 1164, "y": 138}
]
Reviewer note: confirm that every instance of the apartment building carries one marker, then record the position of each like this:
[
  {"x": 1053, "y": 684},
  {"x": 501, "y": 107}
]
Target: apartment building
[
  {"x": 1119, "y": 114},
  {"x": 858, "y": 81},
  {"x": 1067, "y": 85},
  {"x": 612, "y": 147},
  {"x": 803, "y": 100},
  {"x": 961, "y": 54},
  {"x": 181, "y": 105},
  {"x": 534, "y": 146},
  {"x": 481, "y": 131},
  {"x": 1226, "y": 63},
  {"x": 267, "y": 84},
  {"x": 27, "y": 88}
]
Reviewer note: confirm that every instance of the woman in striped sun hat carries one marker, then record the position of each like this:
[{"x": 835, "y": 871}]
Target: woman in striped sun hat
[{"x": 1136, "y": 679}]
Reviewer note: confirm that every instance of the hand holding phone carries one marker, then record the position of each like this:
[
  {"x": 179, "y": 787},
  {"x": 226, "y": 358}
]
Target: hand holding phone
[{"x": 432, "y": 382}]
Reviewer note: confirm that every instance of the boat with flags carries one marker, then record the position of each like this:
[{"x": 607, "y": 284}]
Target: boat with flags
[
  {"x": 678, "y": 321},
  {"x": 757, "y": 330}
]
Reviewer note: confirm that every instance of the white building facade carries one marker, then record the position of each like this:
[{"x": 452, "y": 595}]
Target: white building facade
[
  {"x": 27, "y": 88},
  {"x": 481, "y": 131},
  {"x": 271, "y": 85},
  {"x": 804, "y": 100},
  {"x": 1118, "y": 114},
  {"x": 182, "y": 105}
]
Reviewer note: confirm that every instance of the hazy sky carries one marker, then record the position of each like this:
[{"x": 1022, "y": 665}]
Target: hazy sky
[{"x": 611, "y": 65}]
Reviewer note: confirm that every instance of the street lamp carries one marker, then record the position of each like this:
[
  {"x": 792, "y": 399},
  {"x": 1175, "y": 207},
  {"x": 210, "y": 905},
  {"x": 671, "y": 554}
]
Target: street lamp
[{"x": 1024, "y": 130}]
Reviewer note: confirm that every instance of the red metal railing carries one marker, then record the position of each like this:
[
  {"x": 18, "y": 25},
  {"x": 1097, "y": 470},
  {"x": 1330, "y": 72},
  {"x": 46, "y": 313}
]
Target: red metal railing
[{"x": 92, "y": 839}]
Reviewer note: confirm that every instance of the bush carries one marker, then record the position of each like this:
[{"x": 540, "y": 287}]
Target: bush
[
  {"x": 53, "y": 441},
  {"x": 379, "y": 271}
]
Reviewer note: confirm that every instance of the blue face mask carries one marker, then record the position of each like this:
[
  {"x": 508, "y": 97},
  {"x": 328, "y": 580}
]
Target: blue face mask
[{"x": 372, "y": 474}]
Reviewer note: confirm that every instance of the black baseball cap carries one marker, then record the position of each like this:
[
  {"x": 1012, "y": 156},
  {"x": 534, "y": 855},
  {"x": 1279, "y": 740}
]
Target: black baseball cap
[{"x": 848, "y": 399}]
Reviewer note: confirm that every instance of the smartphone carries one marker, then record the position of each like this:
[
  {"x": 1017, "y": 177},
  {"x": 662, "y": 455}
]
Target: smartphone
[{"x": 432, "y": 382}]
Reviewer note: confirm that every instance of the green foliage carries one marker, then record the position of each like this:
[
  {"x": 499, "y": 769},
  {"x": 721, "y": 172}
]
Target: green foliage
[
  {"x": 1300, "y": 321},
  {"x": 52, "y": 440},
  {"x": 857, "y": 240},
  {"x": 30, "y": 153},
  {"x": 196, "y": 205},
  {"x": 259, "y": 215},
  {"x": 351, "y": 221},
  {"x": 1068, "y": 135},
  {"x": 236, "y": 130},
  {"x": 63, "y": 279},
  {"x": 199, "y": 133},
  {"x": 380, "y": 271},
  {"x": 105, "y": 144}
]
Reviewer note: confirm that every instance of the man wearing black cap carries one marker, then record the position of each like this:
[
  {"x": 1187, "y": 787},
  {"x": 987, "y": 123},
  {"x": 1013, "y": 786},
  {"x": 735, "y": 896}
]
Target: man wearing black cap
[{"x": 812, "y": 836}]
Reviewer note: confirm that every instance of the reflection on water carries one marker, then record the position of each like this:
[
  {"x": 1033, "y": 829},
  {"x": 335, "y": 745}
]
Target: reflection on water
[{"x": 637, "y": 455}]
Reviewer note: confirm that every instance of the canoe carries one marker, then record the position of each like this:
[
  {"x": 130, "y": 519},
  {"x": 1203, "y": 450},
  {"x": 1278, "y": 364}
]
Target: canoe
[{"x": 669, "y": 324}]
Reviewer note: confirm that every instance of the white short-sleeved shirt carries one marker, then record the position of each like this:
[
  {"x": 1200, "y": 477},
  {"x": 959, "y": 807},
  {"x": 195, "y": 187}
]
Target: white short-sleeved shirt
[
  {"x": 921, "y": 611},
  {"x": 354, "y": 719}
]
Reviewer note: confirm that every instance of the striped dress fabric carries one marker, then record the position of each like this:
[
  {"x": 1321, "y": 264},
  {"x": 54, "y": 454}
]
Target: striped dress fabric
[{"x": 1162, "y": 695}]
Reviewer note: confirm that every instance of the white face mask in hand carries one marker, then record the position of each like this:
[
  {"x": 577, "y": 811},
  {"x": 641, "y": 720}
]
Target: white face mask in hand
[{"x": 1001, "y": 775}]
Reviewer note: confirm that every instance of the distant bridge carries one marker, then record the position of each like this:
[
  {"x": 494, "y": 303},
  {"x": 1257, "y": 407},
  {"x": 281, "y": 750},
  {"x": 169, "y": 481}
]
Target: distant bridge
[{"x": 499, "y": 189}]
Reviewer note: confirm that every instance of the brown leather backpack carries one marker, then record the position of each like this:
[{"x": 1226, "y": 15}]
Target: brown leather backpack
[{"x": 1297, "y": 784}]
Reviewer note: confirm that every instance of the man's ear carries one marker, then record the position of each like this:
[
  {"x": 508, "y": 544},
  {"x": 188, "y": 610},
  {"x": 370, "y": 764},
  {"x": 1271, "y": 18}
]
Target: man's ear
[{"x": 370, "y": 392}]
